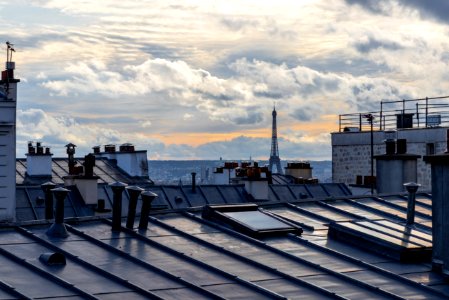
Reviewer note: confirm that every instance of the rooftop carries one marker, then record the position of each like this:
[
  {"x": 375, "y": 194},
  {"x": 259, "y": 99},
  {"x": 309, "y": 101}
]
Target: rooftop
[{"x": 183, "y": 255}]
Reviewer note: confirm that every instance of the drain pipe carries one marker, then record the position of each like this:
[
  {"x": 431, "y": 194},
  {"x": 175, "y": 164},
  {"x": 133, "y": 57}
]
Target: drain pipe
[
  {"x": 147, "y": 198},
  {"x": 57, "y": 229},
  {"x": 193, "y": 182},
  {"x": 412, "y": 188},
  {"x": 117, "y": 190},
  {"x": 47, "y": 187},
  {"x": 134, "y": 193}
]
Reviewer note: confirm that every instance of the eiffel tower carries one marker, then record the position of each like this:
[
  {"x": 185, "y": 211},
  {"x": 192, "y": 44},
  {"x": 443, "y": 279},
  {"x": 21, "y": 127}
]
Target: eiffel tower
[{"x": 274, "y": 155}]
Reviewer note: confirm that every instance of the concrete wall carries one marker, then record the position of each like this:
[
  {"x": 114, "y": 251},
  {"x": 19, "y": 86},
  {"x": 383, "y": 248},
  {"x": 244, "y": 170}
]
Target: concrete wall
[{"x": 351, "y": 152}]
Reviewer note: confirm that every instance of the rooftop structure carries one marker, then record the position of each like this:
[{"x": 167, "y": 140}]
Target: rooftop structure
[{"x": 422, "y": 122}]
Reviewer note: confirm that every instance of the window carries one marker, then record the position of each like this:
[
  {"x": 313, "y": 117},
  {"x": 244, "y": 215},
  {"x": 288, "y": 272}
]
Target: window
[{"x": 248, "y": 219}]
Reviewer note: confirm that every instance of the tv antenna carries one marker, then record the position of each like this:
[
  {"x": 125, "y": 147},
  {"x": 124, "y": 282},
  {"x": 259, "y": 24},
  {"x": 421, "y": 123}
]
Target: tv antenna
[{"x": 9, "y": 50}]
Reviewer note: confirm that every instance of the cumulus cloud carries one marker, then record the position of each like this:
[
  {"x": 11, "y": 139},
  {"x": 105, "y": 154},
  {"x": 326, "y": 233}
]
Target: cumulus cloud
[{"x": 57, "y": 131}]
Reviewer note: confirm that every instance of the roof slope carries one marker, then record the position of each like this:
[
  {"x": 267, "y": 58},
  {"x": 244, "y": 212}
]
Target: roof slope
[{"x": 182, "y": 255}]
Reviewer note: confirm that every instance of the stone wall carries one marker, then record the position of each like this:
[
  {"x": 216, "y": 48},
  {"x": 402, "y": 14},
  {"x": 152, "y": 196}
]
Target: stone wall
[{"x": 351, "y": 152}]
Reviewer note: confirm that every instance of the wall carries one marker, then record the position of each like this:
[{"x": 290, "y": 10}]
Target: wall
[{"x": 351, "y": 152}]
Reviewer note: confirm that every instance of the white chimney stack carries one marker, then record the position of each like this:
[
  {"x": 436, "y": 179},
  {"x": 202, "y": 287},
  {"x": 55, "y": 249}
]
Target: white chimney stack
[
  {"x": 133, "y": 162},
  {"x": 8, "y": 105},
  {"x": 39, "y": 160}
]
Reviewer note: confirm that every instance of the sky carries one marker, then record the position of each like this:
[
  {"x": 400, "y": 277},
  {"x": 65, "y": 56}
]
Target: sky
[{"x": 199, "y": 79}]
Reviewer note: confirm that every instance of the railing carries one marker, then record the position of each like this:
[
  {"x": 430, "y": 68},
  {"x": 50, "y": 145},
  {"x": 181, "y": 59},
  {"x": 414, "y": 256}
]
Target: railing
[{"x": 412, "y": 113}]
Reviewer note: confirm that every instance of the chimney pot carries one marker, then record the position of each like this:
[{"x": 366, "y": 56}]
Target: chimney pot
[
  {"x": 58, "y": 228},
  {"x": 134, "y": 193},
  {"x": 47, "y": 187},
  {"x": 412, "y": 188},
  {"x": 401, "y": 147},
  {"x": 147, "y": 198},
  {"x": 117, "y": 190},
  {"x": 193, "y": 182}
]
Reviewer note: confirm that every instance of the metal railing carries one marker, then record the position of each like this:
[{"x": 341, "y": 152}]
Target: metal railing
[{"x": 412, "y": 113}]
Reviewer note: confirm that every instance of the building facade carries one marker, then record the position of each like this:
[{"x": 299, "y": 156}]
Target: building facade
[{"x": 351, "y": 154}]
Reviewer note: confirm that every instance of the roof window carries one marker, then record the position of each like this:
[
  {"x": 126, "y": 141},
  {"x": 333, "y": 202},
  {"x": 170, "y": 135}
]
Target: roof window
[{"x": 249, "y": 220}]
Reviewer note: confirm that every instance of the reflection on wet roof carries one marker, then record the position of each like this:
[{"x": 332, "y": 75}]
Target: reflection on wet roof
[{"x": 187, "y": 256}]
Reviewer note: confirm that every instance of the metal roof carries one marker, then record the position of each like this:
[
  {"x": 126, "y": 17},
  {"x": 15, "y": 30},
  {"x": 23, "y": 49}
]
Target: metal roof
[
  {"x": 181, "y": 255},
  {"x": 104, "y": 168}
]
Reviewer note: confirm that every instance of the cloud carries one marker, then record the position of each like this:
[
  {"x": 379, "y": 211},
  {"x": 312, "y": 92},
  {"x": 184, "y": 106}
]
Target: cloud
[
  {"x": 146, "y": 124},
  {"x": 57, "y": 131},
  {"x": 372, "y": 43}
]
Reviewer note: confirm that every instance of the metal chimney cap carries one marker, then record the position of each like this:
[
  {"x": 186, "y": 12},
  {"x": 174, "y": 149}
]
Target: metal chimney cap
[
  {"x": 118, "y": 184},
  {"x": 412, "y": 187},
  {"x": 134, "y": 188},
  {"x": 150, "y": 195},
  {"x": 60, "y": 190},
  {"x": 48, "y": 185}
]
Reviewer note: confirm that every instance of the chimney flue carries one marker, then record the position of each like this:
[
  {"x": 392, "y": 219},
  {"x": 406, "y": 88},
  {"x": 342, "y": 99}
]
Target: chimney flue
[
  {"x": 58, "y": 228},
  {"x": 47, "y": 187},
  {"x": 412, "y": 188},
  {"x": 401, "y": 147},
  {"x": 147, "y": 199},
  {"x": 134, "y": 193},
  {"x": 117, "y": 190},
  {"x": 193, "y": 182}
]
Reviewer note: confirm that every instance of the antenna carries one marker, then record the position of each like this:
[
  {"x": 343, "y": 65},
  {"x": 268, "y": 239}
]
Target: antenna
[{"x": 9, "y": 50}]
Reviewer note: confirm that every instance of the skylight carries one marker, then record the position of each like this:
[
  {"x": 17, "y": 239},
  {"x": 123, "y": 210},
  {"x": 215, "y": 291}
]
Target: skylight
[{"x": 248, "y": 219}]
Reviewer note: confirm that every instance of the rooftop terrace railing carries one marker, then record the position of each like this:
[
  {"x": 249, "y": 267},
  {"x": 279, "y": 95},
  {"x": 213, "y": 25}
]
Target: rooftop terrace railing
[{"x": 400, "y": 114}]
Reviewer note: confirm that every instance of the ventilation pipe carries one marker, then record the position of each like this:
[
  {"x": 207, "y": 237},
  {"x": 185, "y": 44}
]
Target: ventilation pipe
[
  {"x": 411, "y": 188},
  {"x": 47, "y": 187},
  {"x": 134, "y": 193},
  {"x": 193, "y": 182},
  {"x": 117, "y": 190},
  {"x": 147, "y": 198},
  {"x": 71, "y": 153},
  {"x": 58, "y": 229}
]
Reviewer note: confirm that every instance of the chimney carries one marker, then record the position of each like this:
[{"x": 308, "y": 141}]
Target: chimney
[
  {"x": 73, "y": 170},
  {"x": 440, "y": 210},
  {"x": 8, "y": 104},
  {"x": 134, "y": 193},
  {"x": 193, "y": 182},
  {"x": 395, "y": 169},
  {"x": 255, "y": 184},
  {"x": 117, "y": 190},
  {"x": 87, "y": 183},
  {"x": 57, "y": 229},
  {"x": 298, "y": 170},
  {"x": 39, "y": 162},
  {"x": 412, "y": 188},
  {"x": 47, "y": 187},
  {"x": 132, "y": 162},
  {"x": 223, "y": 175},
  {"x": 147, "y": 199}
]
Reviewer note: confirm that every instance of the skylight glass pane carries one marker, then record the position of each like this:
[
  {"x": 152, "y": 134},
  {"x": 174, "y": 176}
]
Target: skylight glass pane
[{"x": 256, "y": 220}]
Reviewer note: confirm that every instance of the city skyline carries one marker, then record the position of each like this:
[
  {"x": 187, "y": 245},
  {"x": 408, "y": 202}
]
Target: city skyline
[{"x": 198, "y": 79}]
